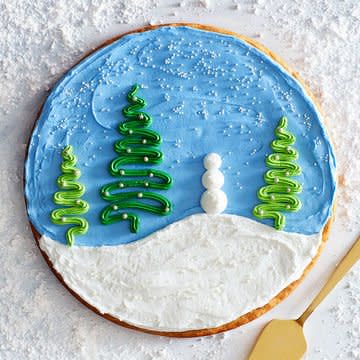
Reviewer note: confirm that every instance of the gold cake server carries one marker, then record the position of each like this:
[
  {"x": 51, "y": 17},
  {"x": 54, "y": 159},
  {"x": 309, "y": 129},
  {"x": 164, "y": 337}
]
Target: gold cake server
[{"x": 284, "y": 339}]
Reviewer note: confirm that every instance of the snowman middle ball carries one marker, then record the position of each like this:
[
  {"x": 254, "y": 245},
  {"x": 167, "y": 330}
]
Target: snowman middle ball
[{"x": 213, "y": 179}]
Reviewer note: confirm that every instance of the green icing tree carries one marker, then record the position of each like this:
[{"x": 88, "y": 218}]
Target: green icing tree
[
  {"x": 70, "y": 198},
  {"x": 139, "y": 146},
  {"x": 279, "y": 194}
]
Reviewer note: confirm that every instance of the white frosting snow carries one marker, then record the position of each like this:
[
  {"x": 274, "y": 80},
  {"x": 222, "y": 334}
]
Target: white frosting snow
[
  {"x": 200, "y": 272},
  {"x": 213, "y": 200}
]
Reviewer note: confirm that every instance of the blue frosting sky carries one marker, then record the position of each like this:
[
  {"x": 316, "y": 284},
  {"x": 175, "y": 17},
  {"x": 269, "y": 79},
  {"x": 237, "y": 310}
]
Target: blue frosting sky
[{"x": 206, "y": 92}]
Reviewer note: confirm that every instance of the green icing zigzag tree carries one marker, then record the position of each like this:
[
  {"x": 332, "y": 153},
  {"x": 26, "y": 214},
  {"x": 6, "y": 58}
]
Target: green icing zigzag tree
[
  {"x": 70, "y": 198},
  {"x": 140, "y": 145},
  {"x": 279, "y": 194}
]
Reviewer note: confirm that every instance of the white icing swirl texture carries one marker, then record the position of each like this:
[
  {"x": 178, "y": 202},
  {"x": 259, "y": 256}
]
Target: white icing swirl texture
[{"x": 200, "y": 272}]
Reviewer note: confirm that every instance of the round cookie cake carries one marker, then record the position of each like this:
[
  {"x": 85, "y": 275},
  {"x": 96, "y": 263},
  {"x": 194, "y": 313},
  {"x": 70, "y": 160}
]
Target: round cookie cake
[{"x": 179, "y": 180}]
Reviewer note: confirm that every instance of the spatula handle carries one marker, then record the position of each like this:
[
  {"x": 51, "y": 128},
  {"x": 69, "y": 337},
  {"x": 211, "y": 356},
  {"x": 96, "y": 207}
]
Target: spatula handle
[{"x": 344, "y": 266}]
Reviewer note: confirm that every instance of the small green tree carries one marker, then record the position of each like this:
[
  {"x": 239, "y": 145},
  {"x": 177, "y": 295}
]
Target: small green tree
[
  {"x": 279, "y": 194},
  {"x": 140, "y": 145},
  {"x": 70, "y": 198}
]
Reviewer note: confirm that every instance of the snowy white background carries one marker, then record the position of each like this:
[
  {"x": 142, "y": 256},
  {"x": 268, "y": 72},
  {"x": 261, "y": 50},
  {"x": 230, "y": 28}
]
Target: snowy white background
[{"x": 39, "y": 40}]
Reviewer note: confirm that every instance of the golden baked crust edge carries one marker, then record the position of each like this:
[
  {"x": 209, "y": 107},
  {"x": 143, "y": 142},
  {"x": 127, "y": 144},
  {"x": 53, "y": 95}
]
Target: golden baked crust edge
[{"x": 281, "y": 295}]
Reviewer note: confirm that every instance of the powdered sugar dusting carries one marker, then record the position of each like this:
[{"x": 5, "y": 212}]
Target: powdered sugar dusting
[
  {"x": 347, "y": 315},
  {"x": 40, "y": 40},
  {"x": 340, "y": 317}
]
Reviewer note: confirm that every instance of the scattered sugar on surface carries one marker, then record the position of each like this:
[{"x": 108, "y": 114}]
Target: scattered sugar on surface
[
  {"x": 341, "y": 316},
  {"x": 52, "y": 37},
  {"x": 39, "y": 41}
]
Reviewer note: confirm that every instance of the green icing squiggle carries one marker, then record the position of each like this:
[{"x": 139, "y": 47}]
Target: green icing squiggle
[
  {"x": 140, "y": 145},
  {"x": 279, "y": 194},
  {"x": 70, "y": 198}
]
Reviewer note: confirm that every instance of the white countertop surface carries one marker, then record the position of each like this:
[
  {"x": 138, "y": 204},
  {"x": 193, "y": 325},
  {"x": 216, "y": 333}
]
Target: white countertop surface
[{"x": 39, "y": 40}]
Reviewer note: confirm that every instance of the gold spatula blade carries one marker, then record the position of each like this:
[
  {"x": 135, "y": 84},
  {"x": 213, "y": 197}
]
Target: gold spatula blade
[{"x": 280, "y": 340}]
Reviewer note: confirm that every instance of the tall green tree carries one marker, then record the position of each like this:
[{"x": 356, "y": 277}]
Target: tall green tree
[
  {"x": 133, "y": 189},
  {"x": 279, "y": 195}
]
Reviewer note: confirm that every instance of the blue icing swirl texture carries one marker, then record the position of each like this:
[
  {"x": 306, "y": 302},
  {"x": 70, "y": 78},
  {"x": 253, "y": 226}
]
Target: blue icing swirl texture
[{"x": 206, "y": 92}]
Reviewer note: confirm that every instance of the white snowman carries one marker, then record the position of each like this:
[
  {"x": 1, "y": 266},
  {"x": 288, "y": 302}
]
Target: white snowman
[{"x": 213, "y": 200}]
